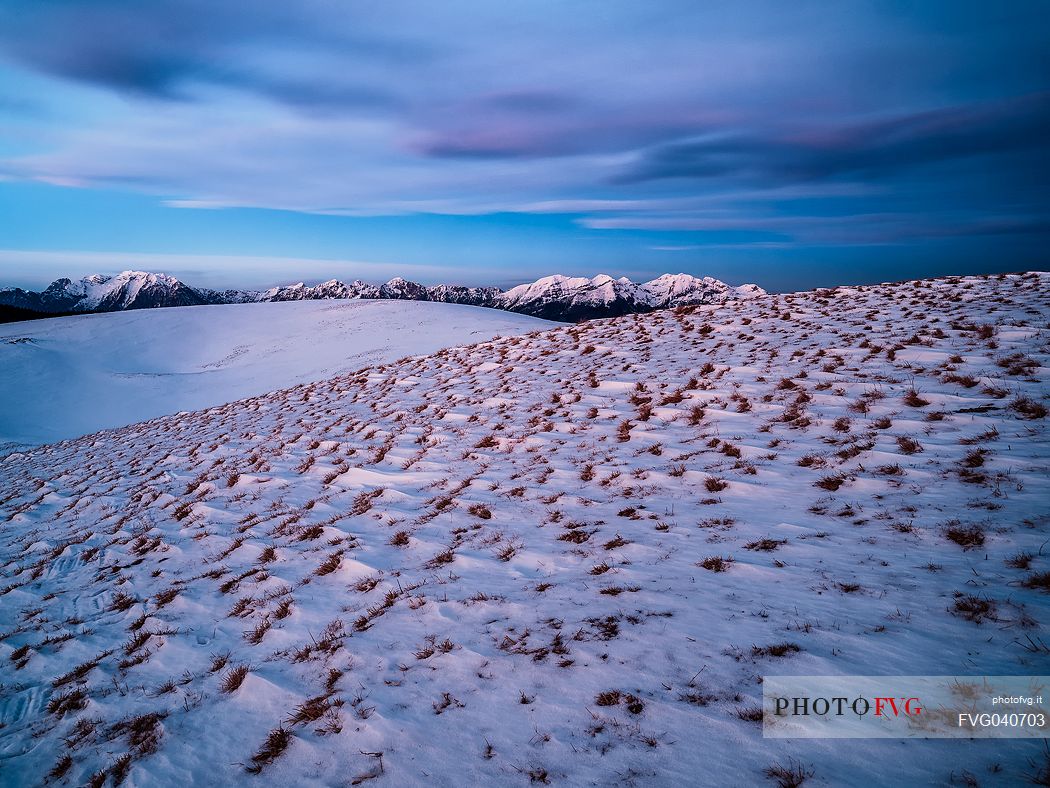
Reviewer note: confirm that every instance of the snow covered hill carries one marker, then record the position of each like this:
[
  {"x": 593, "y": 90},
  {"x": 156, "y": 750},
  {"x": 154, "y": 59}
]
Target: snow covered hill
[
  {"x": 556, "y": 297},
  {"x": 71, "y": 376},
  {"x": 567, "y": 557}
]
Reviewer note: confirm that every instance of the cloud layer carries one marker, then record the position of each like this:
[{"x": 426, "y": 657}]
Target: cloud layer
[{"x": 762, "y": 123}]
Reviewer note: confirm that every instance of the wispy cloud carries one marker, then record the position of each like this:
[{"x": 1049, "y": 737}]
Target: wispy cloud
[{"x": 779, "y": 123}]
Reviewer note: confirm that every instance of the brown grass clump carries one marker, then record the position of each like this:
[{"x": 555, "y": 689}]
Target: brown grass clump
[
  {"x": 908, "y": 445},
  {"x": 1020, "y": 561},
  {"x": 792, "y": 775},
  {"x": 284, "y": 609},
  {"x": 776, "y": 650},
  {"x": 1028, "y": 408},
  {"x": 442, "y": 558},
  {"x": 1039, "y": 581},
  {"x": 830, "y": 483},
  {"x": 608, "y": 698},
  {"x": 61, "y": 767},
  {"x": 166, "y": 596},
  {"x": 634, "y": 704},
  {"x": 309, "y": 533},
  {"x": 74, "y": 700},
  {"x": 233, "y": 679},
  {"x": 576, "y": 536},
  {"x": 122, "y": 602},
  {"x": 143, "y": 732},
  {"x": 974, "y": 608},
  {"x": 716, "y": 563},
  {"x": 255, "y": 636},
  {"x": 310, "y": 711},
  {"x": 80, "y": 671},
  {"x": 329, "y": 565},
  {"x": 912, "y": 399},
  {"x": 480, "y": 511},
  {"x": 276, "y": 743},
  {"x": 966, "y": 537}
]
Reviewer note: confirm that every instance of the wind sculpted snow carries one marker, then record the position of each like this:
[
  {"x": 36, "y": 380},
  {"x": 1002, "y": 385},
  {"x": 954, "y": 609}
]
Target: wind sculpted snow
[{"x": 567, "y": 557}]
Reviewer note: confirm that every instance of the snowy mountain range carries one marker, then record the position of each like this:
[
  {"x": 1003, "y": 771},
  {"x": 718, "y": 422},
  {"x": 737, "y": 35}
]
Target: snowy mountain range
[{"x": 555, "y": 297}]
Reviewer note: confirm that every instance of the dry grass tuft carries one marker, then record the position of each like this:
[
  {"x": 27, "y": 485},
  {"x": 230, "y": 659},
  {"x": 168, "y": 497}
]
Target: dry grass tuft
[
  {"x": 1028, "y": 408},
  {"x": 912, "y": 399},
  {"x": 974, "y": 608},
  {"x": 793, "y": 775},
  {"x": 276, "y": 743},
  {"x": 714, "y": 484},
  {"x": 1039, "y": 581},
  {"x": 716, "y": 563},
  {"x": 966, "y": 537},
  {"x": 233, "y": 679}
]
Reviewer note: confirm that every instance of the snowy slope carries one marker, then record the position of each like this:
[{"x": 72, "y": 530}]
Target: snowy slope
[
  {"x": 495, "y": 565},
  {"x": 70, "y": 376}
]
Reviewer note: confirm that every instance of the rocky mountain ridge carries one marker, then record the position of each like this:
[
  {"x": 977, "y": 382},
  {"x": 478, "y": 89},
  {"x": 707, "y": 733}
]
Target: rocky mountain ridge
[{"x": 557, "y": 297}]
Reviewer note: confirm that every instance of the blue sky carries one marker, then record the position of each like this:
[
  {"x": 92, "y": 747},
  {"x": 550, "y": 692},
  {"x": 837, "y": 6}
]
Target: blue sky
[{"x": 254, "y": 143}]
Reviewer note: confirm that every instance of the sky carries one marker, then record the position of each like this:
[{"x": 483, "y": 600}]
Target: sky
[{"x": 256, "y": 142}]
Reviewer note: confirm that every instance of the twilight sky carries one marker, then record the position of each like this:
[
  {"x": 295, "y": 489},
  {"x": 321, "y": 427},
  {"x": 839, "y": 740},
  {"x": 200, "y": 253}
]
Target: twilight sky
[{"x": 253, "y": 142}]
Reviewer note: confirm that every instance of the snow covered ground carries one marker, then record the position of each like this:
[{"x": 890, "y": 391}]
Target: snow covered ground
[
  {"x": 566, "y": 557},
  {"x": 66, "y": 377}
]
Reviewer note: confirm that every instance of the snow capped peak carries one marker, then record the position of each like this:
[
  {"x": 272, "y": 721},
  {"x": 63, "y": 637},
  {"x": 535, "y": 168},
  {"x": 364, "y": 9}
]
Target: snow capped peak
[
  {"x": 556, "y": 297},
  {"x": 126, "y": 290},
  {"x": 684, "y": 289},
  {"x": 577, "y": 298},
  {"x": 333, "y": 288},
  {"x": 601, "y": 289}
]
